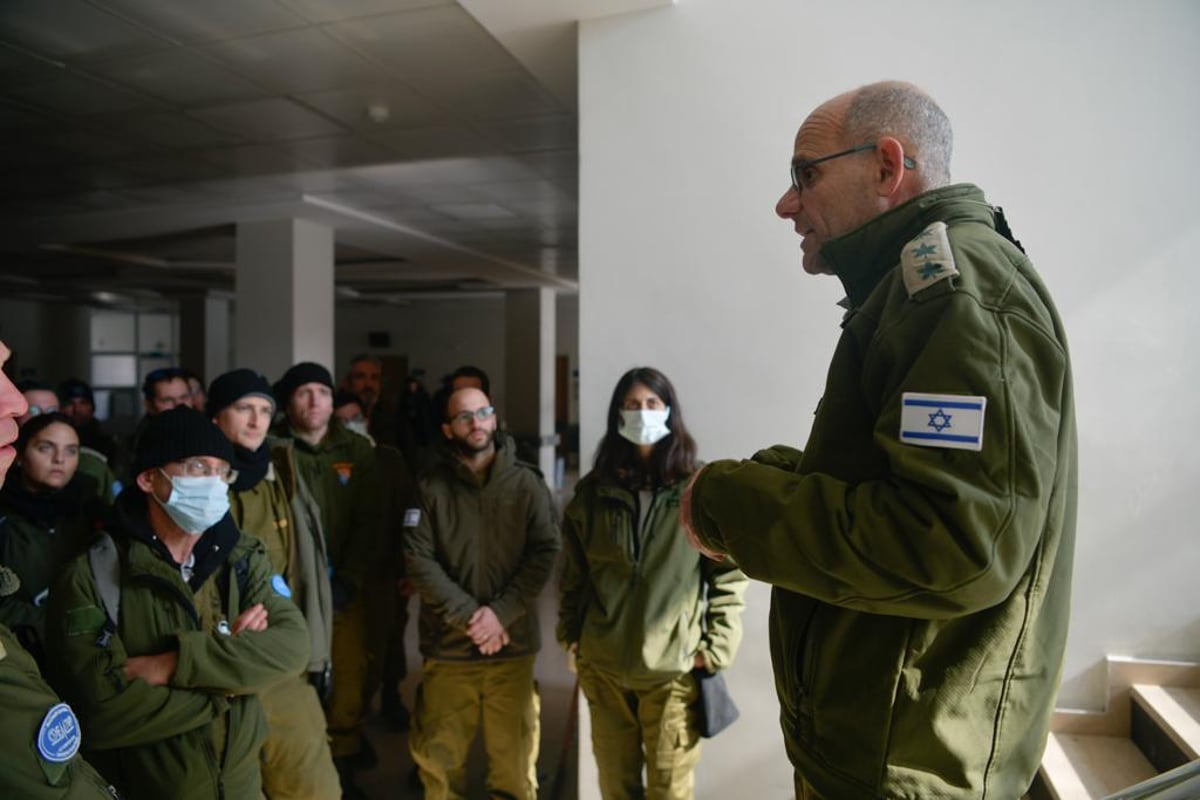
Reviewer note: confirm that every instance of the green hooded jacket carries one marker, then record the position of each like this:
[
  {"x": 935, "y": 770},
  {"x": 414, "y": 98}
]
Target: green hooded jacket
[
  {"x": 198, "y": 737},
  {"x": 642, "y": 605},
  {"x": 470, "y": 544},
  {"x": 920, "y": 602}
]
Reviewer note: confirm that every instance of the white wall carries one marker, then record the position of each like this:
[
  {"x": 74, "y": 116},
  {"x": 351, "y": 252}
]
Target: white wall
[{"x": 1077, "y": 117}]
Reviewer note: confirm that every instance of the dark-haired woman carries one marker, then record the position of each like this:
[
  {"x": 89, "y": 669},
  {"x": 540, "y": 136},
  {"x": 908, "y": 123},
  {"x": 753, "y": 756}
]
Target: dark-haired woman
[
  {"x": 43, "y": 520},
  {"x": 640, "y": 608}
]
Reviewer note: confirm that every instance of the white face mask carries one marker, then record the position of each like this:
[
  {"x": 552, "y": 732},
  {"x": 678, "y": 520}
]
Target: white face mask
[
  {"x": 196, "y": 504},
  {"x": 644, "y": 425}
]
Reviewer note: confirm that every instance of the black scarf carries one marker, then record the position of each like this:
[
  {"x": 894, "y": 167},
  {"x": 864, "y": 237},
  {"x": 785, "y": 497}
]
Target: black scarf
[
  {"x": 251, "y": 466},
  {"x": 44, "y": 509}
]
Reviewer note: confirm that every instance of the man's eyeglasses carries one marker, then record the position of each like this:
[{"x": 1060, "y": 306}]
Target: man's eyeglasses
[
  {"x": 195, "y": 468},
  {"x": 480, "y": 414},
  {"x": 803, "y": 175},
  {"x": 36, "y": 410}
]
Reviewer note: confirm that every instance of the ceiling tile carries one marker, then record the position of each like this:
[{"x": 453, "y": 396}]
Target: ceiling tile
[
  {"x": 431, "y": 143},
  {"x": 179, "y": 77},
  {"x": 207, "y": 21},
  {"x": 555, "y": 132},
  {"x": 492, "y": 96},
  {"x": 253, "y": 159},
  {"x": 72, "y": 29},
  {"x": 445, "y": 40},
  {"x": 337, "y": 151},
  {"x": 76, "y": 94},
  {"x": 296, "y": 61},
  {"x": 404, "y": 108},
  {"x": 333, "y": 10},
  {"x": 166, "y": 129},
  {"x": 267, "y": 120}
]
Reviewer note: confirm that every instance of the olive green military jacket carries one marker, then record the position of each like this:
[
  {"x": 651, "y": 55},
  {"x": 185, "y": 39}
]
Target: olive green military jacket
[
  {"x": 642, "y": 604},
  {"x": 34, "y": 760},
  {"x": 469, "y": 544},
  {"x": 281, "y": 512},
  {"x": 199, "y": 736},
  {"x": 921, "y": 564},
  {"x": 94, "y": 466},
  {"x": 37, "y": 534},
  {"x": 342, "y": 474}
]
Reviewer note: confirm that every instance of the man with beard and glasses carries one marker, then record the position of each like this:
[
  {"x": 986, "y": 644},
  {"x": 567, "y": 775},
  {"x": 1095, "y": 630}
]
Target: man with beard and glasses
[
  {"x": 268, "y": 500},
  {"x": 480, "y": 543},
  {"x": 340, "y": 468}
]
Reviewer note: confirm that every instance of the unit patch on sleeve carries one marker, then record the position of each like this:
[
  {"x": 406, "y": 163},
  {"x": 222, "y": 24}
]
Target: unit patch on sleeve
[
  {"x": 344, "y": 471},
  {"x": 412, "y": 517},
  {"x": 927, "y": 259},
  {"x": 942, "y": 420},
  {"x": 59, "y": 737}
]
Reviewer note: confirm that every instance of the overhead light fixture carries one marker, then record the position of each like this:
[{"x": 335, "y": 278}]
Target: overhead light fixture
[{"x": 378, "y": 112}]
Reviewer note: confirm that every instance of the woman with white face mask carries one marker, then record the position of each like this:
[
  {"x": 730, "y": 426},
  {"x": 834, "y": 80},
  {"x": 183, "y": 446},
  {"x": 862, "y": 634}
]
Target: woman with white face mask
[
  {"x": 640, "y": 609},
  {"x": 44, "y": 520}
]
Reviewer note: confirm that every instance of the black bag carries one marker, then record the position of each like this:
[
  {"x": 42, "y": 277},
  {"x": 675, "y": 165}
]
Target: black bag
[{"x": 714, "y": 705}]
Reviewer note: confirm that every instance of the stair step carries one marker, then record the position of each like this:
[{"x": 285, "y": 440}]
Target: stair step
[
  {"x": 1176, "y": 710},
  {"x": 1079, "y": 767}
]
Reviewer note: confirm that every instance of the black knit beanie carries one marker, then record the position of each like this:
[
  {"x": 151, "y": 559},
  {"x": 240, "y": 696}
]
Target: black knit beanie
[
  {"x": 297, "y": 376},
  {"x": 178, "y": 434},
  {"x": 227, "y": 389}
]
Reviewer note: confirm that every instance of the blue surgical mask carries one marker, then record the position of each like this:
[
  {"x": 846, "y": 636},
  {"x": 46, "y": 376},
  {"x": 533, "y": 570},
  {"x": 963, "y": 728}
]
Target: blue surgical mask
[
  {"x": 644, "y": 425},
  {"x": 196, "y": 504}
]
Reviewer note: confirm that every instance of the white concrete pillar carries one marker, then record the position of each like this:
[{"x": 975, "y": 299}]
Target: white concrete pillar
[
  {"x": 284, "y": 311},
  {"x": 529, "y": 372}
]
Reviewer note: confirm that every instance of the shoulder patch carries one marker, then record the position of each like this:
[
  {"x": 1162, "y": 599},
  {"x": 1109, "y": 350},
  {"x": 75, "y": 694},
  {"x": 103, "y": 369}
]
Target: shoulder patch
[
  {"x": 280, "y": 586},
  {"x": 10, "y": 581},
  {"x": 927, "y": 259},
  {"x": 942, "y": 420},
  {"x": 85, "y": 620},
  {"x": 344, "y": 471},
  {"x": 412, "y": 517},
  {"x": 59, "y": 738}
]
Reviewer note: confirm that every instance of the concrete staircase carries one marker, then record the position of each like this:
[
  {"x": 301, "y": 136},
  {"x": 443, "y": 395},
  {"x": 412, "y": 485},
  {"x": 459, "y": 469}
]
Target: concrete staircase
[{"x": 1151, "y": 725}]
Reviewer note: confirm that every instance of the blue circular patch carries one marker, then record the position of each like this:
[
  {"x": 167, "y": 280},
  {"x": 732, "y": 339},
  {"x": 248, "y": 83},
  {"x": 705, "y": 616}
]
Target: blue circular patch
[
  {"x": 280, "y": 586},
  {"x": 59, "y": 737}
]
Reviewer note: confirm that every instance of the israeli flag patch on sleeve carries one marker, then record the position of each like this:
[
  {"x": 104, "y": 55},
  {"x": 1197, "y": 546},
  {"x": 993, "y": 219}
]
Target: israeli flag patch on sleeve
[
  {"x": 412, "y": 517},
  {"x": 942, "y": 420},
  {"x": 280, "y": 586},
  {"x": 59, "y": 737}
]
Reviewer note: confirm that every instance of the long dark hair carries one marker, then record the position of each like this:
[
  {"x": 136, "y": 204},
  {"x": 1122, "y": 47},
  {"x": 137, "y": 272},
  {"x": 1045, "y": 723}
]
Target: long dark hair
[{"x": 673, "y": 457}]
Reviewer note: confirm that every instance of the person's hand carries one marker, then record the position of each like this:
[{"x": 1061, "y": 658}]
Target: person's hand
[
  {"x": 253, "y": 618},
  {"x": 700, "y": 662},
  {"x": 484, "y": 625},
  {"x": 685, "y": 520},
  {"x": 495, "y": 644},
  {"x": 155, "y": 670}
]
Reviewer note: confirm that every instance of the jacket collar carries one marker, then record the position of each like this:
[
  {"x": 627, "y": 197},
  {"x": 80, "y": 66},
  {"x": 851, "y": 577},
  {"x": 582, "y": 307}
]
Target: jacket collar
[
  {"x": 131, "y": 517},
  {"x": 863, "y": 256}
]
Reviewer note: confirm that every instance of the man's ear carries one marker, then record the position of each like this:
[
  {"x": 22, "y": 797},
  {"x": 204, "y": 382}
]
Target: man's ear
[
  {"x": 446, "y": 431},
  {"x": 889, "y": 159},
  {"x": 145, "y": 480}
]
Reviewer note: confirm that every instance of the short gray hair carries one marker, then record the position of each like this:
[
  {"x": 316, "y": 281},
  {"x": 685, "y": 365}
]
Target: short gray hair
[{"x": 908, "y": 114}]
